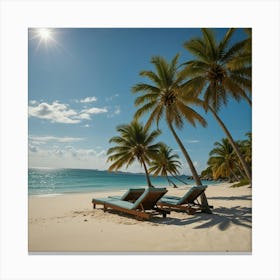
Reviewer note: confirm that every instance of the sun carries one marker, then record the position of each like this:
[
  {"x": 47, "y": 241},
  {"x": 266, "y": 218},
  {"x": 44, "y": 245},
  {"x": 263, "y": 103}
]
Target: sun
[
  {"x": 45, "y": 34},
  {"x": 45, "y": 38}
]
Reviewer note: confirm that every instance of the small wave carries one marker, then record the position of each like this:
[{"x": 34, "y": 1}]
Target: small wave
[{"x": 46, "y": 195}]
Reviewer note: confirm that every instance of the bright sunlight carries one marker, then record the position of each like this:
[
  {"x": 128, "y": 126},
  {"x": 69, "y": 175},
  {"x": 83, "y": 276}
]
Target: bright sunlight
[{"x": 45, "y": 34}]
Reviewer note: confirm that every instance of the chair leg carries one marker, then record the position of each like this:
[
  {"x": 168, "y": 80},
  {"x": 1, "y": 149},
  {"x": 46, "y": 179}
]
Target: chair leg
[
  {"x": 191, "y": 210},
  {"x": 162, "y": 211}
]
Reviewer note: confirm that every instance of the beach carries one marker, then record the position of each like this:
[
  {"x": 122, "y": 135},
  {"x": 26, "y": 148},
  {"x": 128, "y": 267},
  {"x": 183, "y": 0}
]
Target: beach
[{"x": 68, "y": 223}]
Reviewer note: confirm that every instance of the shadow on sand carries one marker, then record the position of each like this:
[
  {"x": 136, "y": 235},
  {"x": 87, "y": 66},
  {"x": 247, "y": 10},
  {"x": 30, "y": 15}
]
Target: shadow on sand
[
  {"x": 221, "y": 217},
  {"x": 243, "y": 197}
]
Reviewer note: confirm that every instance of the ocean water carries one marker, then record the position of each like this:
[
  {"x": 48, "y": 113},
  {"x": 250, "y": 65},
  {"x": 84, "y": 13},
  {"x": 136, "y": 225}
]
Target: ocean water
[{"x": 42, "y": 181}]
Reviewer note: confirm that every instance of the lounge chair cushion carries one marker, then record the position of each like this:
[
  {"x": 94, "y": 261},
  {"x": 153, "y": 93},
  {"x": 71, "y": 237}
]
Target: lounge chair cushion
[
  {"x": 175, "y": 200},
  {"x": 170, "y": 201},
  {"x": 116, "y": 202},
  {"x": 147, "y": 201},
  {"x": 186, "y": 197},
  {"x": 129, "y": 205},
  {"x": 171, "y": 197}
]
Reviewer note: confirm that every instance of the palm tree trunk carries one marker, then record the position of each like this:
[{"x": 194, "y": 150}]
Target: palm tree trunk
[
  {"x": 241, "y": 171},
  {"x": 233, "y": 144},
  {"x": 234, "y": 175},
  {"x": 204, "y": 202},
  {"x": 147, "y": 174}
]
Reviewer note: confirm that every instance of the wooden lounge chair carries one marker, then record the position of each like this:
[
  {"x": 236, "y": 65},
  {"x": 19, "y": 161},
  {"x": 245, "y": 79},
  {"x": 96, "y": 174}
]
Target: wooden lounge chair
[
  {"x": 130, "y": 195},
  {"x": 143, "y": 208},
  {"x": 188, "y": 202}
]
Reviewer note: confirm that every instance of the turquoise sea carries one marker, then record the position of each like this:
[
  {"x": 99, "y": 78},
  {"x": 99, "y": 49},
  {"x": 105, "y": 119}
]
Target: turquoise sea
[{"x": 42, "y": 181}]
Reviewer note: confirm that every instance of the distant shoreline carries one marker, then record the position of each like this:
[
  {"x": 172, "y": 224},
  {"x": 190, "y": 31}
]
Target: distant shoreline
[
  {"x": 60, "y": 181},
  {"x": 94, "y": 169},
  {"x": 105, "y": 191}
]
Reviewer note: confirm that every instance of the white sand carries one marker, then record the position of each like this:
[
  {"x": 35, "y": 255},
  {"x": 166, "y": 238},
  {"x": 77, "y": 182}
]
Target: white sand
[{"x": 68, "y": 223}]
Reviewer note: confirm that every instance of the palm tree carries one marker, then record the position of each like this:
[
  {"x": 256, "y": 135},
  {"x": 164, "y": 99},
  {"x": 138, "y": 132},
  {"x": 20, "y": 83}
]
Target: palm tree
[
  {"x": 165, "y": 163},
  {"x": 209, "y": 73},
  {"x": 134, "y": 143},
  {"x": 244, "y": 55},
  {"x": 164, "y": 98},
  {"x": 223, "y": 160},
  {"x": 246, "y": 149}
]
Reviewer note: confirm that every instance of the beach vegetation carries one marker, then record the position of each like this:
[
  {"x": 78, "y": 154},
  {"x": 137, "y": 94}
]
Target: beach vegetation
[
  {"x": 244, "y": 55},
  {"x": 217, "y": 74},
  {"x": 223, "y": 162},
  {"x": 163, "y": 98},
  {"x": 166, "y": 163},
  {"x": 134, "y": 143},
  {"x": 242, "y": 182}
]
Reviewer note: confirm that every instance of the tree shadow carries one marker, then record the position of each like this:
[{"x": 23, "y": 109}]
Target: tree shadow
[
  {"x": 222, "y": 217},
  {"x": 243, "y": 197}
]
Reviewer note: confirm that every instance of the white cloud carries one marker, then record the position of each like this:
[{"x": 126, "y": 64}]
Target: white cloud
[
  {"x": 55, "y": 112},
  {"x": 84, "y": 116},
  {"x": 45, "y": 139},
  {"x": 62, "y": 113},
  {"x": 68, "y": 157},
  {"x": 110, "y": 98},
  {"x": 94, "y": 110},
  {"x": 88, "y": 99},
  {"x": 32, "y": 148}
]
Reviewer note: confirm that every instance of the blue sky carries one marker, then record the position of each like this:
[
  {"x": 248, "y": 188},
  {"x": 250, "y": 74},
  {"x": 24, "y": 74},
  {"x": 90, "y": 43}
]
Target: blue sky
[{"x": 79, "y": 90}]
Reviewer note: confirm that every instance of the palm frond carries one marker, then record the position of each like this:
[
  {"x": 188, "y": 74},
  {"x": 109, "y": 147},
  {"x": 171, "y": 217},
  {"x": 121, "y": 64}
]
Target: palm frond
[
  {"x": 162, "y": 69},
  {"x": 210, "y": 43},
  {"x": 144, "y": 109},
  {"x": 194, "y": 68},
  {"x": 197, "y": 47},
  {"x": 155, "y": 116},
  {"x": 234, "y": 89},
  {"x": 238, "y": 61},
  {"x": 233, "y": 51},
  {"x": 225, "y": 41},
  {"x": 191, "y": 115},
  {"x": 149, "y": 97},
  {"x": 144, "y": 88},
  {"x": 152, "y": 76},
  {"x": 194, "y": 86}
]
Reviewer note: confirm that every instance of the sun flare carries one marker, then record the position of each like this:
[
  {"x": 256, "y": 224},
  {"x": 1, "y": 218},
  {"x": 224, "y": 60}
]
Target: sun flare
[
  {"x": 45, "y": 38},
  {"x": 45, "y": 34}
]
